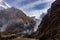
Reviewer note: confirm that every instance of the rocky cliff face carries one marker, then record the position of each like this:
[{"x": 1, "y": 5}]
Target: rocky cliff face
[
  {"x": 49, "y": 29},
  {"x": 13, "y": 20}
]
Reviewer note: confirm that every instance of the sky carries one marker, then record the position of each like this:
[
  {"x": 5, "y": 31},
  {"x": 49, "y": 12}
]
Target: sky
[{"x": 31, "y": 7}]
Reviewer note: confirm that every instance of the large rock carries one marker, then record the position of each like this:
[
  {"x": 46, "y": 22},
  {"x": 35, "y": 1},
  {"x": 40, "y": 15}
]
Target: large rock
[
  {"x": 13, "y": 20},
  {"x": 49, "y": 29}
]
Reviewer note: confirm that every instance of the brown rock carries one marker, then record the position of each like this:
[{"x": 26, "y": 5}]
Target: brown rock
[{"x": 13, "y": 20}]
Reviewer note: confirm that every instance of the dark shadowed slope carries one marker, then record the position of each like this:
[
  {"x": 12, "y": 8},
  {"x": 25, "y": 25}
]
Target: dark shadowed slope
[{"x": 49, "y": 29}]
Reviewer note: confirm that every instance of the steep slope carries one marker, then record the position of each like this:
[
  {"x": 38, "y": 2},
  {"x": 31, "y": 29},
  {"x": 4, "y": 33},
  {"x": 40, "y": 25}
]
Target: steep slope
[
  {"x": 49, "y": 29},
  {"x": 13, "y": 20}
]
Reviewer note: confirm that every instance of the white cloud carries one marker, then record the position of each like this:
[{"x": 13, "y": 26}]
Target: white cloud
[
  {"x": 36, "y": 13},
  {"x": 36, "y": 3},
  {"x": 4, "y": 4},
  {"x": 1, "y": 0},
  {"x": 7, "y": 4}
]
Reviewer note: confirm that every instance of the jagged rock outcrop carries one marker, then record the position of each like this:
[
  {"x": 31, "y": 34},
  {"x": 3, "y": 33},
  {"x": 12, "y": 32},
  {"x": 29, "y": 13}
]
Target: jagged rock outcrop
[
  {"x": 49, "y": 29},
  {"x": 13, "y": 20}
]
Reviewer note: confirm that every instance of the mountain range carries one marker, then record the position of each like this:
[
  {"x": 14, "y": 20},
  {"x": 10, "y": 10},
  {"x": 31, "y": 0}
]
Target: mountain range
[{"x": 13, "y": 20}]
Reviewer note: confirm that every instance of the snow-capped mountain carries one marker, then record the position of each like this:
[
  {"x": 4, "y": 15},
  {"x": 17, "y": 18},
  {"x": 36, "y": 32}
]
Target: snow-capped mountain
[{"x": 4, "y": 5}]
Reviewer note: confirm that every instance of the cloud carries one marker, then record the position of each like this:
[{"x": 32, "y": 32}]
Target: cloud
[
  {"x": 22, "y": 3},
  {"x": 37, "y": 8},
  {"x": 37, "y": 13},
  {"x": 31, "y": 7},
  {"x": 1, "y": 0},
  {"x": 4, "y": 5},
  {"x": 19, "y": 3},
  {"x": 36, "y": 3}
]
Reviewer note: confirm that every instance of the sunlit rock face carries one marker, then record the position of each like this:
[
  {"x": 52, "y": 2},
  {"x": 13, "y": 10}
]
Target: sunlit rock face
[
  {"x": 49, "y": 29},
  {"x": 13, "y": 20}
]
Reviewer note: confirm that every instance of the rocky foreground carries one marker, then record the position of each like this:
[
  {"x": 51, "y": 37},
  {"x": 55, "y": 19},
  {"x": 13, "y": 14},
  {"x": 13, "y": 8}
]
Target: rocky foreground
[{"x": 49, "y": 29}]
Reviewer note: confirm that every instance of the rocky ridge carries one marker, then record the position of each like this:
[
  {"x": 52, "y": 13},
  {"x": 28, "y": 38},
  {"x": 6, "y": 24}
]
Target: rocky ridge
[
  {"x": 13, "y": 20},
  {"x": 49, "y": 29}
]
